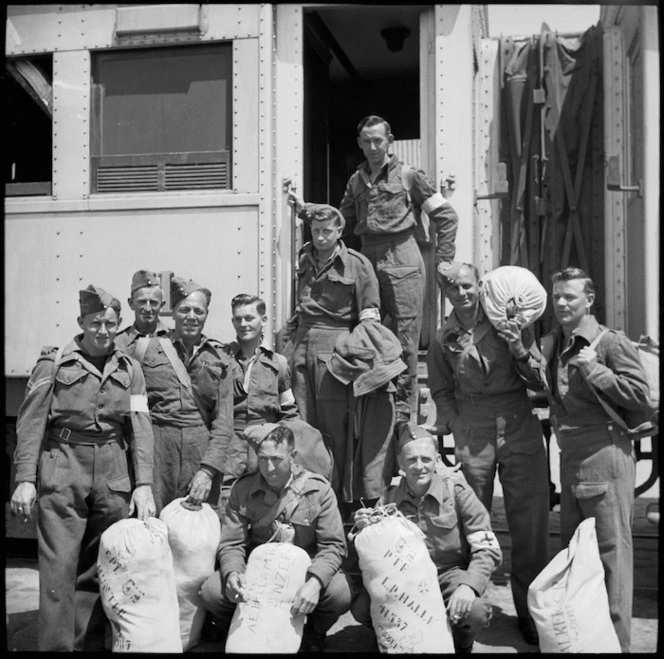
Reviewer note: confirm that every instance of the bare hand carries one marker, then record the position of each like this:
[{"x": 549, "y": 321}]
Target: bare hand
[
  {"x": 306, "y": 598},
  {"x": 23, "y": 499},
  {"x": 510, "y": 332},
  {"x": 294, "y": 199},
  {"x": 461, "y": 603},
  {"x": 587, "y": 357},
  {"x": 199, "y": 487},
  {"x": 142, "y": 501},
  {"x": 236, "y": 587},
  {"x": 362, "y": 517}
]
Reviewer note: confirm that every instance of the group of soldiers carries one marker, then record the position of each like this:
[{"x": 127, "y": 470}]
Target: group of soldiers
[{"x": 123, "y": 422}]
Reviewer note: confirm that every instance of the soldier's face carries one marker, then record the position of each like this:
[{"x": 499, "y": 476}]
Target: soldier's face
[
  {"x": 189, "y": 316},
  {"x": 417, "y": 460},
  {"x": 464, "y": 291},
  {"x": 375, "y": 143},
  {"x": 99, "y": 330},
  {"x": 146, "y": 303},
  {"x": 275, "y": 462},
  {"x": 570, "y": 302},
  {"x": 324, "y": 235},
  {"x": 248, "y": 323}
]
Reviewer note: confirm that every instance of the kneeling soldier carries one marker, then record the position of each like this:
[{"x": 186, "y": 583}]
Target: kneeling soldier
[
  {"x": 282, "y": 491},
  {"x": 457, "y": 530}
]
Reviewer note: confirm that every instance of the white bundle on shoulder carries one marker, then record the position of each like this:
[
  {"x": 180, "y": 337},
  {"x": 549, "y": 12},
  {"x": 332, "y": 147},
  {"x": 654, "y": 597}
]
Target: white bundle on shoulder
[{"x": 511, "y": 291}]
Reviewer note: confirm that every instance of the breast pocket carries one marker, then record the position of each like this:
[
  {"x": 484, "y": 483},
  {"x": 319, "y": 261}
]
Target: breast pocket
[
  {"x": 337, "y": 292},
  {"x": 115, "y": 393},
  {"x": 305, "y": 514},
  {"x": 69, "y": 385}
]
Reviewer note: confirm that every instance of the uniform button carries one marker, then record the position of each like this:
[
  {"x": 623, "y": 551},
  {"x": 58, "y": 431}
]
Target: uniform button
[{"x": 610, "y": 427}]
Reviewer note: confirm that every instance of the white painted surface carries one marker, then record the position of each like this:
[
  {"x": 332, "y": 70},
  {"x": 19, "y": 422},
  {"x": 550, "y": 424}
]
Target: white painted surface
[{"x": 511, "y": 20}]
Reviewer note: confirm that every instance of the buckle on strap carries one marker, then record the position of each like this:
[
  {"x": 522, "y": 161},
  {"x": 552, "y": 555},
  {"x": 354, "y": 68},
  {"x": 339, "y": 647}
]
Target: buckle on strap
[{"x": 64, "y": 434}]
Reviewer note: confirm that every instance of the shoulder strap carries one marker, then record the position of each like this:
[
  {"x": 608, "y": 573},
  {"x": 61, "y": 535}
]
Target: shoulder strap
[
  {"x": 141, "y": 347},
  {"x": 183, "y": 376},
  {"x": 607, "y": 408},
  {"x": 597, "y": 339},
  {"x": 407, "y": 179},
  {"x": 287, "y": 502}
]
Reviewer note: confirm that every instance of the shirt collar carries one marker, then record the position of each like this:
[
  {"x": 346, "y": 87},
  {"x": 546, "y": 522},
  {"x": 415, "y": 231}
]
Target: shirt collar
[
  {"x": 435, "y": 489},
  {"x": 588, "y": 329},
  {"x": 452, "y": 324},
  {"x": 392, "y": 162}
]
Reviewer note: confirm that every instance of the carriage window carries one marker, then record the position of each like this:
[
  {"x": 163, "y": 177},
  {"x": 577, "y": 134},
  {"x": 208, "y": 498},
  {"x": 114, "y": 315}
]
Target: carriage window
[
  {"x": 162, "y": 119},
  {"x": 28, "y": 103}
]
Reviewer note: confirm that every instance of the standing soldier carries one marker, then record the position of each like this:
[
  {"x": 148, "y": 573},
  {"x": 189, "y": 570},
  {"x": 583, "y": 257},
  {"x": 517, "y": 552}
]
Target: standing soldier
[
  {"x": 337, "y": 289},
  {"x": 146, "y": 301},
  {"x": 597, "y": 460},
  {"x": 84, "y": 410},
  {"x": 380, "y": 205},
  {"x": 478, "y": 377},
  {"x": 190, "y": 395}
]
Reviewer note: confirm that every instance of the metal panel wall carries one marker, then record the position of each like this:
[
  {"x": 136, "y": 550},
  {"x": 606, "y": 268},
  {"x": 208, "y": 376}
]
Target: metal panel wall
[
  {"x": 214, "y": 246},
  {"x": 289, "y": 144},
  {"x": 71, "y": 124},
  {"x": 245, "y": 115},
  {"x": 49, "y": 28},
  {"x": 487, "y": 237},
  {"x": 454, "y": 129},
  {"x": 614, "y": 202}
]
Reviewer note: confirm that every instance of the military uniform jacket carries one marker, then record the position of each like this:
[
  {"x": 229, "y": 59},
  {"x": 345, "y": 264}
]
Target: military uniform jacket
[
  {"x": 171, "y": 404},
  {"x": 464, "y": 364},
  {"x": 383, "y": 207},
  {"x": 87, "y": 401},
  {"x": 345, "y": 286},
  {"x": 262, "y": 393},
  {"x": 127, "y": 338},
  {"x": 617, "y": 375},
  {"x": 456, "y": 526},
  {"x": 316, "y": 520}
]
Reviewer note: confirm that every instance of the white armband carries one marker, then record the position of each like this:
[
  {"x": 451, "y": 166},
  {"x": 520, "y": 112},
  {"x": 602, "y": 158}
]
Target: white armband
[
  {"x": 138, "y": 403},
  {"x": 482, "y": 540},
  {"x": 369, "y": 314},
  {"x": 436, "y": 200},
  {"x": 286, "y": 398}
]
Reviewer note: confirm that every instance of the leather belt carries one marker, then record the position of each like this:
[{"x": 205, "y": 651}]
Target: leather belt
[{"x": 68, "y": 436}]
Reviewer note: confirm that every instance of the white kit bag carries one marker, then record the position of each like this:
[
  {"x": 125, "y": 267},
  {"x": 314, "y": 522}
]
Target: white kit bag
[
  {"x": 137, "y": 585},
  {"x": 263, "y": 622},
  {"x": 568, "y": 599},
  {"x": 407, "y": 608},
  {"x": 512, "y": 291},
  {"x": 193, "y": 536}
]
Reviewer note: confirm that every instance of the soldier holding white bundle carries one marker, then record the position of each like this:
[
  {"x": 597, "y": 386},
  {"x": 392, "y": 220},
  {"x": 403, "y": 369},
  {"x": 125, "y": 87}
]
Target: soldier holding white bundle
[
  {"x": 281, "y": 492},
  {"x": 457, "y": 532}
]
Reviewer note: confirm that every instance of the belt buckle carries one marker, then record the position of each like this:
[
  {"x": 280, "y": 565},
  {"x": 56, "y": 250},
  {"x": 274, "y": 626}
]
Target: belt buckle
[{"x": 64, "y": 437}]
